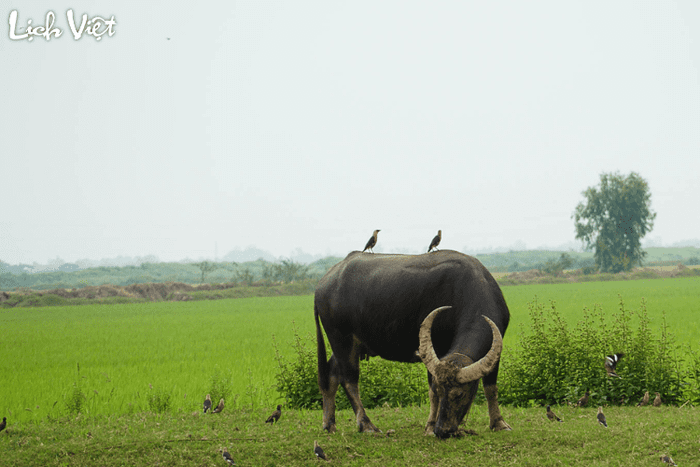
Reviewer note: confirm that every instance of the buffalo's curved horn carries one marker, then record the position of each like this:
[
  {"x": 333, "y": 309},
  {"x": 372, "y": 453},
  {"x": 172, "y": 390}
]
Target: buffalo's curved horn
[
  {"x": 485, "y": 365},
  {"x": 426, "y": 352},
  {"x": 472, "y": 372}
]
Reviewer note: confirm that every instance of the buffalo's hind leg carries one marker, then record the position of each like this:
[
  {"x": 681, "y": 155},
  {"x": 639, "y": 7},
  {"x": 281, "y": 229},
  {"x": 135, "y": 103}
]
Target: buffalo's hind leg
[
  {"x": 349, "y": 375},
  {"x": 496, "y": 422},
  {"x": 329, "y": 392}
]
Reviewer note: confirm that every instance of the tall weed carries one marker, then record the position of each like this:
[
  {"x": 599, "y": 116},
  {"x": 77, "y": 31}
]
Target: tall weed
[
  {"x": 556, "y": 364},
  {"x": 382, "y": 382}
]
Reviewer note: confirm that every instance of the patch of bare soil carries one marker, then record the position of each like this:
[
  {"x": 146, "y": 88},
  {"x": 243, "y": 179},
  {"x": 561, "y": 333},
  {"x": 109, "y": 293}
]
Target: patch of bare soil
[{"x": 176, "y": 291}]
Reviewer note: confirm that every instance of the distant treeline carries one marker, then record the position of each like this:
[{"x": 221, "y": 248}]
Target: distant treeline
[
  {"x": 70, "y": 275},
  {"x": 260, "y": 272}
]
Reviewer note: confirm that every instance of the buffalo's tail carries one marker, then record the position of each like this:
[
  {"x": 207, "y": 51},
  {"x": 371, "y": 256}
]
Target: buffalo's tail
[{"x": 323, "y": 366}]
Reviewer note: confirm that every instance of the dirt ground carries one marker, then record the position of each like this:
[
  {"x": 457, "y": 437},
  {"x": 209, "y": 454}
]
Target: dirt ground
[{"x": 152, "y": 291}]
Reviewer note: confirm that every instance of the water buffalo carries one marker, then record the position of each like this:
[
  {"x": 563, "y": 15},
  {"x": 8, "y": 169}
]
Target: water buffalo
[{"x": 442, "y": 308}]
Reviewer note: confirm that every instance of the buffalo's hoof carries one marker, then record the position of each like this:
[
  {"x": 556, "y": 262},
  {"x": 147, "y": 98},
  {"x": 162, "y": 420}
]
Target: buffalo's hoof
[
  {"x": 330, "y": 428},
  {"x": 368, "y": 428},
  {"x": 501, "y": 425}
]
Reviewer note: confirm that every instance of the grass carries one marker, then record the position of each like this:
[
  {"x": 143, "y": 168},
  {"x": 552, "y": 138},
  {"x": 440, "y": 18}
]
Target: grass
[
  {"x": 636, "y": 436},
  {"x": 128, "y": 358},
  {"x": 678, "y": 298},
  {"x": 117, "y": 358}
]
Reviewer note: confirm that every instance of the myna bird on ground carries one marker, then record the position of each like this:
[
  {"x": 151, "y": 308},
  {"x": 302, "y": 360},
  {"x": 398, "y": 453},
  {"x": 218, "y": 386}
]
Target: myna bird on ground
[
  {"x": 319, "y": 452},
  {"x": 436, "y": 241},
  {"x": 227, "y": 457},
  {"x": 645, "y": 400},
  {"x": 551, "y": 415},
  {"x": 667, "y": 459},
  {"x": 657, "y": 400},
  {"x": 207, "y": 403},
  {"x": 611, "y": 362},
  {"x": 274, "y": 418},
  {"x": 3, "y": 424},
  {"x": 219, "y": 407},
  {"x": 601, "y": 417},
  {"x": 583, "y": 400},
  {"x": 371, "y": 242}
]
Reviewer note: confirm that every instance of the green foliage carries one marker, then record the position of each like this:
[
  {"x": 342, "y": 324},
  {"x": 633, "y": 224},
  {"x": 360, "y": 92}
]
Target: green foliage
[
  {"x": 76, "y": 400},
  {"x": 614, "y": 219},
  {"x": 555, "y": 364},
  {"x": 205, "y": 266},
  {"x": 381, "y": 381},
  {"x": 555, "y": 268},
  {"x": 219, "y": 387},
  {"x": 285, "y": 271},
  {"x": 159, "y": 400},
  {"x": 691, "y": 389},
  {"x": 297, "y": 380}
]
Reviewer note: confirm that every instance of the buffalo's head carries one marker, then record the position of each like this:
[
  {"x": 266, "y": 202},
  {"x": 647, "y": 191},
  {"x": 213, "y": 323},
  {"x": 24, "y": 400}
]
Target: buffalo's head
[{"x": 454, "y": 386}]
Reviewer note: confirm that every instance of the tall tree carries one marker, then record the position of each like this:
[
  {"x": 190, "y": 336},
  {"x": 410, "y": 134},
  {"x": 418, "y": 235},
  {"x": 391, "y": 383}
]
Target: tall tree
[
  {"x": 206, "y": 267},
  {"x": 613, "y": 220}
]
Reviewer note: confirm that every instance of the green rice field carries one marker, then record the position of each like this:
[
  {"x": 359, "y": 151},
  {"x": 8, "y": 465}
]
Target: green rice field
[{"x": 117, "y": 358}]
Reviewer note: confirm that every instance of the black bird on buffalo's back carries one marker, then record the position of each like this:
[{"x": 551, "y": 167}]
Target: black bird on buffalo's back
[
  {"x": 601, "y": 417},
  {"x": 227, "y": 457},
  {"x": 551, "y": 415},
  {"x": 319, "y": 452},
  {"x": 219, "y": 407},
  {"x": 371, "y": 242},
  {"x": 207, "y": 403},
  {"x": 611, "y": 362},
  {"x": 436, "y": 241},
  {"x": 583, "y": 400},
  {"x": 274, "y": 418},
  {"x": 645, "y": 400},
  {"x": 3, "y": 424}
]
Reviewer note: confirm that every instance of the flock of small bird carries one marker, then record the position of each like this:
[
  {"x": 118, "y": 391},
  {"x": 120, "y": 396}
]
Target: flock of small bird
[
  {"x": 272, "y": 419},
  {"x": 611, "y": 362},
  {"x": 207, "y": 405},
  {"x": 373, "y": 241}
]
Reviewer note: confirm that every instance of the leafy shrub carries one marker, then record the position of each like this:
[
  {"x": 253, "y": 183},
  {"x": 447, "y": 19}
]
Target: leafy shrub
[
  {"x": 555, "y": 364},
  {"x": 692, "y": 380},
  {"x": 76, "y": 400},
  {"x": 219, "y": 387},
  {"x": 381, "y": 381},
  {"x": 158, "y": 400}
]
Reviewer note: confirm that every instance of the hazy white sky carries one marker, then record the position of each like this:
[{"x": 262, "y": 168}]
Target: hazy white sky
[{"x": 307, "y": 125}]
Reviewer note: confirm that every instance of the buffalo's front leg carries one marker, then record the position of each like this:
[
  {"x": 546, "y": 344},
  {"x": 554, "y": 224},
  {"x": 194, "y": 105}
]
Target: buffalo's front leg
[
  {"x": 496, "y": 422},
  {"x": 434, "y": 404}
]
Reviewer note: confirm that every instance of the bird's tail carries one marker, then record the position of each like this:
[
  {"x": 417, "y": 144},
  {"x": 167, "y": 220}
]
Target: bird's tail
[{"x": 323, "y": 366}]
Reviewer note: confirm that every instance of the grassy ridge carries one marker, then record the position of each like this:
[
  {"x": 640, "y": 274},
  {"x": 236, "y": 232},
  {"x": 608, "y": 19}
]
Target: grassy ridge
[{"x": 636, "y": 436}]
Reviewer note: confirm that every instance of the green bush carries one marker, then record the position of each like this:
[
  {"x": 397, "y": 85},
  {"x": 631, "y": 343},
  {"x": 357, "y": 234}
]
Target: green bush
[
  {"x": 158, "y": 400},
  {"x": 381, "y": 381},
  {"x": 76, "y": 400},
  {"x": 555, "y": 364},
  {"x": 219, "y": 388}
]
